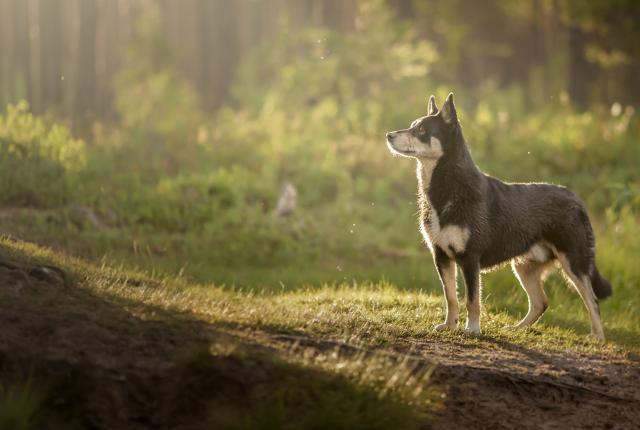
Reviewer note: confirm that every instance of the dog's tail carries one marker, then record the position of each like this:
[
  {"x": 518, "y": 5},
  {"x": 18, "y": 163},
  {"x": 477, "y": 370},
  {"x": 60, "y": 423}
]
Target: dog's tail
[{"x": 601, "y": 287}]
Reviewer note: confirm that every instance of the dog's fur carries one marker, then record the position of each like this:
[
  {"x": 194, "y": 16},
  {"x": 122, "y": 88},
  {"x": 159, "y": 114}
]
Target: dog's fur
[{"x": 479, "y": 223}]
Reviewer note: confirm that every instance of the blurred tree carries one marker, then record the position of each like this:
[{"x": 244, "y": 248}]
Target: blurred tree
[
  {"x": 63, "y": 54},
  {"x": 606, "y": 40},
  {"x": 587, "y": 47},
  {"x": 21, "y": 50},
  {"x": 579, "y": 67},
  {"x": 6, "y": 52},
  {"x": 51, "y": 49},
  {"x": 84, "y": 101}
]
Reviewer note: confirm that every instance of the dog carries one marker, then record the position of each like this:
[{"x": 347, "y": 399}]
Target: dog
[{"x": 481, "y": 223}]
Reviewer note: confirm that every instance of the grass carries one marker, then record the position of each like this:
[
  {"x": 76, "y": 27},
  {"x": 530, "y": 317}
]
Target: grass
[
  {"x": 18, "y": 405},
  {"x": 323, "y": 391},
  {"x": 358, "y": 373},
  {"x": 366, "y": 313},
  {"x": 213, "y": 369},
  {"x": 368, "y": 284}
]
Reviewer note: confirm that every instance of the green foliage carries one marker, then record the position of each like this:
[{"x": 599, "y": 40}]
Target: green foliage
[
  {"x": 18, "y": 406},
  {"x": 356, "y": 83},
  {"x": 38, "y": 161},
  {"x": 157, "y": 110}
]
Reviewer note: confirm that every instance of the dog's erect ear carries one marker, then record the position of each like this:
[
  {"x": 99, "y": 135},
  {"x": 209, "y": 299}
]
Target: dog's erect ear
[
  {"x": 448, "y": 111},
  {"x": 433, "y": 109}
]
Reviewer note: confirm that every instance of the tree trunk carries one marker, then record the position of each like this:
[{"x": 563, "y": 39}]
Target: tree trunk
[
  {"x": 84, "y": 102},
  {"x": 51, "y": 63},
  {"x": 340, "y": 14},
  {"x": 579, "y": 68},
  {"x": 6, "y": 53},
  {"x": 21, "y": 51}
]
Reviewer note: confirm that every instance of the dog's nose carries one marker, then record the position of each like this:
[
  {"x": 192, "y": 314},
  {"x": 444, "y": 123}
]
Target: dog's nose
[{"x": 391, "y": 135}]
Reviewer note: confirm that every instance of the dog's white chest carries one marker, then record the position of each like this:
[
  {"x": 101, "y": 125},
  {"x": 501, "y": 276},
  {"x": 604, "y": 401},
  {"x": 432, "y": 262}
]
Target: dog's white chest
[
  {"x": 430, "y": 228},
  {"x": 451, "y": 238}
]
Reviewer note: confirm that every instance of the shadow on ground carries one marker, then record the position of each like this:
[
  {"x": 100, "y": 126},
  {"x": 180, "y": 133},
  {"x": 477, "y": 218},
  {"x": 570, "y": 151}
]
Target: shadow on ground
[{"x": 70, "y": 359}]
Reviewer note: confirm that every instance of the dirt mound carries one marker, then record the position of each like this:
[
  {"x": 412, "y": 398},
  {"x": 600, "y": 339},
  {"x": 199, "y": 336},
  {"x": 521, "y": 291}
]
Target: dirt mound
[
  {"x": 81, "y": 361},
  {"x": 89, "y": 363},
  {"x": 93, "y": 363},
  {"x": 504, "y": 386}
]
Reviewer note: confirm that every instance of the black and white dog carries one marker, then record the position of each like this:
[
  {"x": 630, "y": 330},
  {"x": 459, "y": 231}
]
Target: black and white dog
[{"x": 480, "y": 223}]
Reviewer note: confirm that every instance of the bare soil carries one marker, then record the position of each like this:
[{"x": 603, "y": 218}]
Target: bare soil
[{"x": 107, "y": 365}]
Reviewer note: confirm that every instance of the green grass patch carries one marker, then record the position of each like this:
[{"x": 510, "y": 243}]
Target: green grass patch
[{"x": 368, "y": 313}]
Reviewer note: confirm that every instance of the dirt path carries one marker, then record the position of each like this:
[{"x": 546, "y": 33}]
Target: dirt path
[
  {"x": 504, "y": 386},
  {"x": 507, "y": 386},
  {"x": 120, "y": 366}
]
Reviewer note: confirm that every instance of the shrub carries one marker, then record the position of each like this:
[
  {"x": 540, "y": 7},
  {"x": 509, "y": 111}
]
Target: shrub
[{"x": 39, "y": 162}]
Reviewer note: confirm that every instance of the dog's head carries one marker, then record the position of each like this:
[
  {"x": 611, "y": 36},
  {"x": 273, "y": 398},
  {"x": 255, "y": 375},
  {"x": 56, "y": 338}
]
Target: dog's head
[{"x": 428, "y": 137}]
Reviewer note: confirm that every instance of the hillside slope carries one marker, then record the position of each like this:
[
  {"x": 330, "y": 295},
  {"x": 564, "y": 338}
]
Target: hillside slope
[{"x": 83, "y": 346}]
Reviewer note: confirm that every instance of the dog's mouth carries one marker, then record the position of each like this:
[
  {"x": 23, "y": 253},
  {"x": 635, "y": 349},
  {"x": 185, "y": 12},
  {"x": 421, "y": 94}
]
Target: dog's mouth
[{"x": 395, "y": 150}]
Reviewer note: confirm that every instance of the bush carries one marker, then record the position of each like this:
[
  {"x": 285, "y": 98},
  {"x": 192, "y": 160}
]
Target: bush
[
  {"x": 39, "y": 162},
  {"x": 189, "y": 202}
]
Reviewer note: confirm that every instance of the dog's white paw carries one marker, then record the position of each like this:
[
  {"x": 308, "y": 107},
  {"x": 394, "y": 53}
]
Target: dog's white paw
[
  {"x": 598, "y": 336},
  {"x": 472, "y": 329},
  {"x": 444, "y": 327}
]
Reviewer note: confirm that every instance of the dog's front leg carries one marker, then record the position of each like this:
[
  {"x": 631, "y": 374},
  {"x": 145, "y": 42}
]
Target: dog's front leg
[
  {"x": 447, "y": 272},
  {"x": 471, "y": 272}
]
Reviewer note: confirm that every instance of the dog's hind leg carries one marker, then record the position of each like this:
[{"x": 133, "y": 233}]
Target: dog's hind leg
[
  {"x": 530, "y": 274},
  {"x": 582, "y": 284},
  {"x": 447, "y": 272}
]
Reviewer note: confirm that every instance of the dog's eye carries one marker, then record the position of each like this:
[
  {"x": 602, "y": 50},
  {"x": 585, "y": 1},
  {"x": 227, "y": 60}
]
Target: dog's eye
[{"x": 422, "y": 129}]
